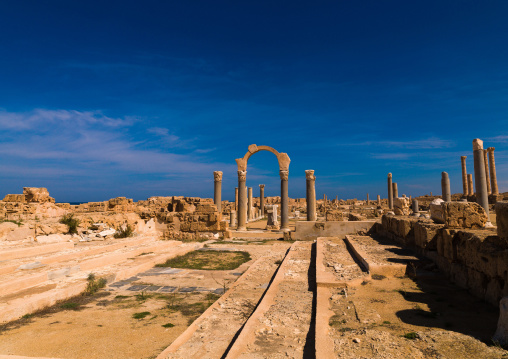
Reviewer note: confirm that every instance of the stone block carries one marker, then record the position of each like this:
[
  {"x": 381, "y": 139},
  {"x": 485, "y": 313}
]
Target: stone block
[
  {"x": 401, "y": 206},
  {"x": 356, "y": 217},
  {"x": 39, "y": 195},
  {"x": 463, "y": 215},
  {"x": 501, "y": 219},
  {"x": 334, "y": 215},
  {"x": 444, "y": 243},
  {"x": 206, "y": 208},
  {"x": 436, "y": 211},
  {"x": 19, "y": 198},
  {"x": 476, "y": 282},
  {"x": 426, "y": 235}
]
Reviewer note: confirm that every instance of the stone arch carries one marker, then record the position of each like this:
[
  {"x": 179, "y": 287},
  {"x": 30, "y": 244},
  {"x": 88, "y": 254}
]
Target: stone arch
[
  {"x": 284, "y": 161},
  {"x": 282, "y": 158}
]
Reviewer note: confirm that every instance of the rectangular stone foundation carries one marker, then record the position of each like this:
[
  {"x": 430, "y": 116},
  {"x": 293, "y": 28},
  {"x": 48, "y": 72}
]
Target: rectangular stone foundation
[{"x": 310, "y": 230}]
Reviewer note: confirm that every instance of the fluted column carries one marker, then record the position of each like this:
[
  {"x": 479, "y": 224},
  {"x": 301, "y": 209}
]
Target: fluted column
[
  {"x": 445, "y": 187},
  {"x": 482, "y": 198},
  {"x": 311, "y": 195},
  {"x": 284, "y": 200},
  {"x": 242, "y": 201},
  {"x": 390, "y": 191},
  {"x": 262, "y": 199},
  {"x": 492, "y": 164},
  {"x": 487, "y": 176},
  {"x": 250, "y": 213},
  {"x": 217, "y": 190},
  {"x": 465, "y": 183}
]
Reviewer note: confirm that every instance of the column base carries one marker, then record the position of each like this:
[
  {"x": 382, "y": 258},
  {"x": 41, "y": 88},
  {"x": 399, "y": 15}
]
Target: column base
[{"x": 241, "y": 229}]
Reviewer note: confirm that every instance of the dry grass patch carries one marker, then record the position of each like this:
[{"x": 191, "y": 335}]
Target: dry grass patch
[{"x": 208, "y": 260}]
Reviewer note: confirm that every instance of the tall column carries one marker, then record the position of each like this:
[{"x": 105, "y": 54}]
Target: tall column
[
  {"x": 249, "y": 205},
  {"x": 487, "y": 176},
  {"x": 311, "y": 195},
  {"x": 465, "y": 183},
  {"x": 368, "y": 202},
  {"x": 262, "y": 199},
  {"x": 236, "y": 198},
  {"x": 482, "y": 197},
  {"x": 492, "y": 164},
  {"x": 379, "y": 200},
  {"x": 242, "y": 201},
  {"x": 470, "y": 184},
  {"x": 284, "y": 200},
  {"x": 395, "y": 190},
  {"x": 217, "y": 190},
  {"x": 390, "y": 191},
  {"x": 445, "y": 187}
]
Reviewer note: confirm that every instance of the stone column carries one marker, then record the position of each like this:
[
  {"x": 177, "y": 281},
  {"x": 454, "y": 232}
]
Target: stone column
[
  {"x": 482, "y": 197},
  {"x": 284, "y": 200},
  {"x": 470, "y": 184},
  {"x": 368, "y": 202},
  {"x": 311, "y": 195},
  {"x": 445, "y": 187},
  {"x": 249, "y": 205},
  {"x": 395, "y": 190},
  {"x": 415, "y": 206},
  {"x": 390, "y": 191},
  {"x": 232, "y": 218},
  {"x": 217, "y": 190},
  {"x": 242, "y": 201},
  {"x": 236, "y": 198},
  {"x": 379, "y": 200},
  {"x": 487, "y": 176},
  {"x": 262, "y": 199},
  {"x": 465, "y": 183},
  {"x": 493, "y": 177}
]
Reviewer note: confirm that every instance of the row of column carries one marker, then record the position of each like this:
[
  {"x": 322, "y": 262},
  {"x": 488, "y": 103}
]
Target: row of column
[{"x": 488, "y": 169}]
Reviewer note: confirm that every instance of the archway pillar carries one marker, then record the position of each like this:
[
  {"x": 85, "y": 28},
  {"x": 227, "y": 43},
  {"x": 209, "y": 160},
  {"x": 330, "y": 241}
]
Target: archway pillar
[
  {"x": 284, "y": 201},
  {"x": 242, "y": 201}
]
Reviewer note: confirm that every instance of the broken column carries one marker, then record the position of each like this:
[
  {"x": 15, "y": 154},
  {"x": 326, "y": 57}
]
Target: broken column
[
  {"x": 232, "y": 218},
  {"x": 390, "y": 191},
  {"x": 262, "y": 199},
  {"x": 242, "y": 201},
  {"x": 415, "y": 206},
  {"x": 217, "y": 190},
  {"x": 492, "y": 164},
  {"x": 311, "y": 195},
  {"x": 395, "y": 190},
  {"x": 465, "y": 183},
  {"x": 379, "y": 200},
  {"x": 445, "y": 187},
  {"x": 470, "y": 184},
  {"x": 284, "y": 200},
  {"x": 487, "y": 176},
  {"x": 482, "y": 197},
  {"x": 271, "y": 213},
  {"x": 368, "y": 202}
]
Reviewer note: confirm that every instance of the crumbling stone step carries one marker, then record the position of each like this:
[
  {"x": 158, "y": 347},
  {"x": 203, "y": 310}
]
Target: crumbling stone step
[
  {"x": 379, "y": 258},
  {"x": 75, "y": 252},
  {"x": 70, "y": 286},
  {"x": 36, "y": 249},
  {"x": 21, "y": 281},
  {"x": 280, "y": 324},
  {"x": 211, "y": 334}
]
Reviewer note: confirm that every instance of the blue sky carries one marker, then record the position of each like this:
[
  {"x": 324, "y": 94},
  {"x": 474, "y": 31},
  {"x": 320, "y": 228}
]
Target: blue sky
[{"x": 137, "y": 99}]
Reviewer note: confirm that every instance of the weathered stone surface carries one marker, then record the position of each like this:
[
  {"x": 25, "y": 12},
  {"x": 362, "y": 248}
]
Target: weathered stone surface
[
  {"x": 39, "y": 195},
  {"x": 19, "y": 198},
  {"x": 426, "y": 235},
  {"x": 53, "y": 238},
  {"x": 401, "y": 206},
  {"x": 356, "y": 217},
  {"x": 6, "y": 228},
  {"x": 501, "y": 335},
  {"x": 436, "y": 211},
  {"x": 463, "y": 215},
  {"x": 334, "y": 215},
  {"x": 502, "y": 219}
]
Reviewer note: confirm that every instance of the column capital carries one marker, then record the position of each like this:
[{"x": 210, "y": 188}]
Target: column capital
[
  {"x": 309, "y": 174},
  {"x": 217, "y": 176},
  {"x": 261, "y": 186},
  {"x": 284, "y": 175},
  {"x": 491, "y": 149},
  {"x": 242, "y": 175},
  {"x": 389, "y": 175},
  {"x": 463, "y": 157},
  {"x": 477, "y": 144}
]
